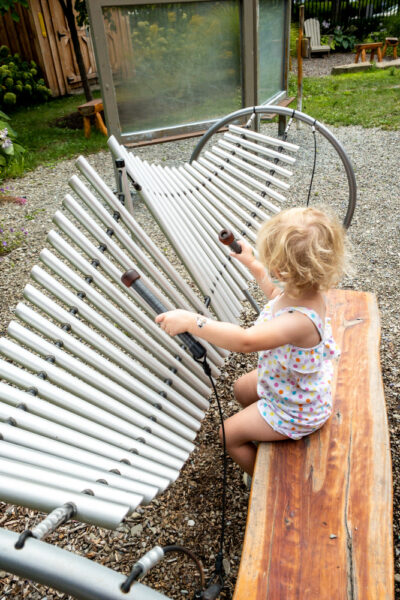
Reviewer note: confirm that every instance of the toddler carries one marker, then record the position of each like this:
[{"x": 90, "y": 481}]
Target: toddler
[{"x": 288, "y": 396}]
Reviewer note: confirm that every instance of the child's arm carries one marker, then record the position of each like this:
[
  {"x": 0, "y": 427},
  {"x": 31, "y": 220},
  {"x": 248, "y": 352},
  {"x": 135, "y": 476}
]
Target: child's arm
[
  {"x": 289, "y": 328},
  {"x": 257, "y": 269}
]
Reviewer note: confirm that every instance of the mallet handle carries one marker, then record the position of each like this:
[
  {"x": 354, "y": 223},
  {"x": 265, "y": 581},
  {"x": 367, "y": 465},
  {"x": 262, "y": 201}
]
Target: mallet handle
[
  {"x": 227, "y": 238},
  {"x": 132, "y": 279}
]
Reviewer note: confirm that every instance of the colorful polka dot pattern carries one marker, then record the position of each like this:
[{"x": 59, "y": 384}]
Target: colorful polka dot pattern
[{"x": 294, "y": 384}]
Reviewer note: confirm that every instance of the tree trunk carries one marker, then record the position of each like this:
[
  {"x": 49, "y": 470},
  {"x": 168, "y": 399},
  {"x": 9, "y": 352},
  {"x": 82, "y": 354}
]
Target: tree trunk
[{"x": 69, "y": 15}]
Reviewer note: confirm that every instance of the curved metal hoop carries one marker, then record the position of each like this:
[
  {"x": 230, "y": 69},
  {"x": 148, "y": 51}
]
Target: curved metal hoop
[{"x": 288, "y": 112}]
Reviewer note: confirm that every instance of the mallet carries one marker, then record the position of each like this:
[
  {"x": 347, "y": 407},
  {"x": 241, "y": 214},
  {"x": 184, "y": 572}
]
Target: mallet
[
  {"x": 132, "y": 279},
  {"x": 227, "y": 238}
]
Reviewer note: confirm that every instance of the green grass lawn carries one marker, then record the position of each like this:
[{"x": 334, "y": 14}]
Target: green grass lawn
[
  {"x": 44, "y": 141},
  {"x": 368, "y": 99}
]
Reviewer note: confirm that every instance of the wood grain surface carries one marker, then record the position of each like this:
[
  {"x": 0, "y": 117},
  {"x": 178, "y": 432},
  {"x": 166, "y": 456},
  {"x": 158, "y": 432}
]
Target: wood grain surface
[{"x": 319, "y": 524}]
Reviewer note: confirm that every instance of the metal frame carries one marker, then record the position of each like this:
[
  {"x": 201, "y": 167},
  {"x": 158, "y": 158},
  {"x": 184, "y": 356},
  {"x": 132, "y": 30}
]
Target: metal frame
[
  {"x": 69, "y": 573},
  {"x": 295, "y": 114},
  {"x": 249, "y": 61}
]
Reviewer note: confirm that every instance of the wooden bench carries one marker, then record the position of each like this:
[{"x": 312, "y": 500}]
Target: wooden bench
[
  {"x": 319, "y": 523},
  {"x": 89, "y": 109},
  {"x": 391, "y": 43},
  {"x": 361, "y": 49}
]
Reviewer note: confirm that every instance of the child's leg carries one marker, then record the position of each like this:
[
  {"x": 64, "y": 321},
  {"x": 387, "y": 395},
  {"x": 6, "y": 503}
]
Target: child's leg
[
  {"x": 245, "y": 388},
  {"x": 240, "y": 431}
]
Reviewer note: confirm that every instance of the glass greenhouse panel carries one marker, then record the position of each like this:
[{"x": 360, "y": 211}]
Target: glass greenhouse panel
[
  {"x": 271, "y": 56},
  {"x": 181, "y": 63}
]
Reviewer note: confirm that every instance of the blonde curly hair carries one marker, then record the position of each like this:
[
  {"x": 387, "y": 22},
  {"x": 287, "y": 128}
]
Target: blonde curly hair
[{"x": 305, "y": 248}]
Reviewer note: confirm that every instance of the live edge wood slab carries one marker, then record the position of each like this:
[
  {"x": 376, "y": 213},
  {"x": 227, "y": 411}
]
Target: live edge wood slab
[{"x": 319, "y": 524}]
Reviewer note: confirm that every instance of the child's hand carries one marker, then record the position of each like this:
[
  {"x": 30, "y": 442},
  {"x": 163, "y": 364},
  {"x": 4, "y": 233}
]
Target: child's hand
[
  {"x": 246, "y": 257},
  {"x": 175, "y": 321}
]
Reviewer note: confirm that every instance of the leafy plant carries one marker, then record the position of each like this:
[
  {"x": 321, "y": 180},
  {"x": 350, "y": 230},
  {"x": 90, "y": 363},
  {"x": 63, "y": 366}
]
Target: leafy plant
[
  {"x": 9, "y": 150},
  {"x": 20, "y": 80},
  {"x": 343, "y": 39},
  {"x": 11, "y": 238}
]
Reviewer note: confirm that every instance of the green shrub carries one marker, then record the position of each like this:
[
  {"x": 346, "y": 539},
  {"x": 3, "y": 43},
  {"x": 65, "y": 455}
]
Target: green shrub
[
  {"x": 20, "y": 81},
  {"x": 392, "y": 26},
  {"x": 10, "y": 151}
]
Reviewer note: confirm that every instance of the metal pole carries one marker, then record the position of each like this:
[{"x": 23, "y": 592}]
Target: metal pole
[{"x": 300, "y": 63}]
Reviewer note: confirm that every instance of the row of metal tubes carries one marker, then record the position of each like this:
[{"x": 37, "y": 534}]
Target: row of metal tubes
[
  {"x": 226, "y": 167},
  {"x": 136, "y": 253},
  {"x": 50, "y": 420},
  {"x": 178, "y": 406},
  {"x": 215, "y": 172},
  {"x": 251, "y": 157},
  {"x": 108, "y": 288},
  {"x": 98, "y": 184},
  {"x": 81, "y": 401},
  {"x": 205, "y": 241},
  {"x": 289, "y": 160},
  {"x": 213, "y": 227},
  {"x": 68, "y": 482},
  {"x": 69, "y": 467},
  {"x": 161, "y": 365},
  {"x": 255, "y": 171},
  {"x": 222, "y": 196},
  {"x": 46, "y": 498},
  {"x": 149, "y": 404},
  {"x": 146, "y": 482},
  {"x": 67, "y": 227},
  {"x": 178, "y": 236},
  {"x": 125, "y": 322},
  {"x": 147, "y": 324},
  {"x": 265, "y": 139},
  {"x": 70, "y": 573},
  {"x": 230, "y": 186},
  {"x": 140, "y": 372}
]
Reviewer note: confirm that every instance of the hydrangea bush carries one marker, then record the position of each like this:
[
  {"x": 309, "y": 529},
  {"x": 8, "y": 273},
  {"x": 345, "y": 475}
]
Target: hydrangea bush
[
  {"x": 9, "y": 149},
  {"x": 20, "y": 81}
]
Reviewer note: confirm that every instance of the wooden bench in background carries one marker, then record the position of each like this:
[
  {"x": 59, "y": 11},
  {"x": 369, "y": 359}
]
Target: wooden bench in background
[
  {"x": 363, "y": 48},
  {"x": 319, "y": 524},
  {"x": 90, "y": 109}
]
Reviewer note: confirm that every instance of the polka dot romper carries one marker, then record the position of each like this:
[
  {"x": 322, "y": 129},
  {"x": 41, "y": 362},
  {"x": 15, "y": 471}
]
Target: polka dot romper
[{"x": 294, "y": 384}]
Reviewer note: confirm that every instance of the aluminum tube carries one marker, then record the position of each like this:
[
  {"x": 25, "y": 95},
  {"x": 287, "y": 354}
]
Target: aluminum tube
[
  {"x": 196, "y": 214},
  {"x": 237, "y": 173},
  {"x": 211, "y": 224},
  {"x": 174, "y": 418},
  {"x": 182, "y": 245},
  {"x": 258, "y": 149},
  {"x": 125, "y": 323},
  {"x": 204, "y": 242},
  {"x": 111, "y": 447},
  {"x": 114, "y": 273},
  {"x": 114, "y": 334},
  {"x": 177, "y": 392},
  {"x": 95, "y": 180},
  {"x": 103, "y": 365},
  {"x": 265, "y": 176},
  {"x": 217, "y": 203},
  {"x": 230, "y": 200},
  {"x": 94, "y": 405},
  {"x": 143, "y": 481},
  {"x": 126, "y": 241},
  {"x": 39, "y": 496},
  {"x": 73, "y": 468},
  {"x": 195, "y": 249},
  {"x": 60, "y": 481},
  {"x": 233, "y": 148},
  {"x": 264, "y": 139},
  {"x": 114, "y": 295},
  {"x": 74, "y": 575}
]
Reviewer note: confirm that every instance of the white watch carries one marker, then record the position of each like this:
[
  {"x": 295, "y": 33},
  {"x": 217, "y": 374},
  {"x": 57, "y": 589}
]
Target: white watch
[{"x": 201, "y": 321}]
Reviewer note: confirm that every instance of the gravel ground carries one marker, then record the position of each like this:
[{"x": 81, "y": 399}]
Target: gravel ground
[{"x": 188, "y": 512}]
